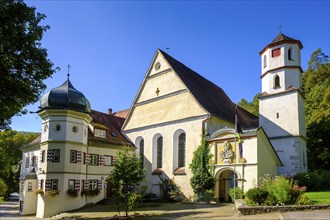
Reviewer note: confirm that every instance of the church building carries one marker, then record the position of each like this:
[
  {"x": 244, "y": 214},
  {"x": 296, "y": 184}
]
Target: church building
[{"x": 172, "y": 109}]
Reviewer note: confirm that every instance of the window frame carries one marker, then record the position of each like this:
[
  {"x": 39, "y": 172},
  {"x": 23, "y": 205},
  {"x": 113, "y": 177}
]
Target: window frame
[
  {"x": 70, "y": 185},
  {"x": 93, "y": 161},
  {"x": 159, "y": 151},
  {"x": 106, "y": 158},
  {"x": 54, "y": 184},
  {"x": 277, "y": 81},
  {"x": 92, "y": 183},
  {"x": 56, "y": 158},
  {"x": 74, "y": 158},
  {"x": 29, "y": 187},
  {"x": 43, "y": 152},
  {"x": 182, "y": 150}
]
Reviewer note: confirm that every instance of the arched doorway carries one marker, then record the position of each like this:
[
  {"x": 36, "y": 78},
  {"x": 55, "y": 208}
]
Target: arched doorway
[{"x": 225, "y": 181}]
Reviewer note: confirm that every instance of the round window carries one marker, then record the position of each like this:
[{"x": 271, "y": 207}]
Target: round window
[
  {"x": 45, "y": 127},
  {"x": 74, "y": 129},
  {"x": 157, "y": 66}
]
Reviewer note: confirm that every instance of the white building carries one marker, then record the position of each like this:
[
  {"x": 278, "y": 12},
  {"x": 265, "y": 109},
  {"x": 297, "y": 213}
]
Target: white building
[
  {"x": 172, "y": 108},
  {"x": 66, "y": 167}
]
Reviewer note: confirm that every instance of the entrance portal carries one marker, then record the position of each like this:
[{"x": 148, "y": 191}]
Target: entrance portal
[{"x": 225, "y": 181}]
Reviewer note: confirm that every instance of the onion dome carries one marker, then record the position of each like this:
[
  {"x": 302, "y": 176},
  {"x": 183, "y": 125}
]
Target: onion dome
[{"x": 65, "y": 97}]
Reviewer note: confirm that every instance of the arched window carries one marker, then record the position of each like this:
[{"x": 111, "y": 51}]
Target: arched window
[
  {"x": 141, "y": 151},
  {"x": 265, "y": 61},
  {"x": 290, "y": 54},
  {"x": 160, "y": 152},
  {"x": 182, "y": 150},
  {"x": 276, "y": 81}
]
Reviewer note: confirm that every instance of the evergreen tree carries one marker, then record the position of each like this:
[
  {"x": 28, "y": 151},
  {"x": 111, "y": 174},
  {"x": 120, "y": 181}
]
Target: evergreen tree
[{"x": 202, "y": 169}]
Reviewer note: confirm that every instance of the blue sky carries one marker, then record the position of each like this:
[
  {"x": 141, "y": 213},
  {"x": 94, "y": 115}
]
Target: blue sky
[{"x": 110, "y": 44}]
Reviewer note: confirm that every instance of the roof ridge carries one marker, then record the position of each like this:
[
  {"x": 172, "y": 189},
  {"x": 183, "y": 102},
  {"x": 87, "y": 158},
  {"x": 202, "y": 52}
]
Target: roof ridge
[{"x": 209, "y": 95}]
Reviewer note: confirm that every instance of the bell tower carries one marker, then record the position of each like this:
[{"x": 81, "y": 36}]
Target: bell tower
[{"x": 281, "y": 106}]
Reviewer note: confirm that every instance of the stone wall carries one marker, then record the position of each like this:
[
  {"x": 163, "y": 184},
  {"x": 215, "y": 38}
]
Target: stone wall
[{"x": 251, "y": 210}]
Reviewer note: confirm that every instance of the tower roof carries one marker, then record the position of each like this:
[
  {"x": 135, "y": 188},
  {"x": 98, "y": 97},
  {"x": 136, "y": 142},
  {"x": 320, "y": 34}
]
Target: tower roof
[
  {"x": 282, "y": 39},
  {"x": 65, "y": 97}
]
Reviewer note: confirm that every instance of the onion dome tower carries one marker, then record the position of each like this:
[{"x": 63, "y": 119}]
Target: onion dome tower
[{"x": 65, "y": 114}]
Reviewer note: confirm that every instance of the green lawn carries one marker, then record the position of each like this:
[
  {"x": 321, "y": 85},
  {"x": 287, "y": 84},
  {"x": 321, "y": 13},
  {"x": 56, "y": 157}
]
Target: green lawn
[
  {"x": 319, "y": 197},
  {"x": 1, "y": 199}
]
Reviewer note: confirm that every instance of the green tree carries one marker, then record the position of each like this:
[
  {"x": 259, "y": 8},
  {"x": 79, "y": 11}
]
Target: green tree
[
  {"x": 23, "y": 61},
  {"x": 126, "y": 174},
  {"x": 202, "y": 169},
  {"x": 10, "y": 156},
  {"x": 316, "y": 87},
  {"x": 252, "y": 107}
]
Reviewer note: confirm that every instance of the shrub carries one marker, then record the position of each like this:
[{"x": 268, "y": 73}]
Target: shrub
[
  {"x": 256, "y": 196},
  {"x": 304, "y": 200},
  {"x": 312, "y": 180},
  {"x": 208, "y": 196},
  {"x": 281, "y": 190},
  {"x": 238, "y": 191}
]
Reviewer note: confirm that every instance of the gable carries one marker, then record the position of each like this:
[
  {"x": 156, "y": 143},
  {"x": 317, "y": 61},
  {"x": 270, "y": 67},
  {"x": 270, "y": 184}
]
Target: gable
[{"x": 162, "y": 97}]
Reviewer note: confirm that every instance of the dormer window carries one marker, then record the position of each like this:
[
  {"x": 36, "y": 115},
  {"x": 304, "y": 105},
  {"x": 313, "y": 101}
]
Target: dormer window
[{"x": 99, "y": 133}]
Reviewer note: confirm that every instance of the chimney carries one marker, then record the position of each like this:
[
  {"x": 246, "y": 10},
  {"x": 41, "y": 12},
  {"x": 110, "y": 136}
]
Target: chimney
[{"x": 110, "y": 111}]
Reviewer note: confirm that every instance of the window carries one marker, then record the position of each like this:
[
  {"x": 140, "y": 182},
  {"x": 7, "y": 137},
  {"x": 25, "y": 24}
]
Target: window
[
  {"x": 92, "y": 184},
  {"x": 27, "y": 162},
  {"x": 22, "y": 186},
  {"x": 141, "y": 153},
  {"x": 182, "y": 150},
  {"x": 71, "y": 184},
  {"x": 277, "y": 115},
  {"x": 51, "y": 184},
  {"x": 54, "y": 185},
  {"x": 21, "y": 205},
  {"x": 94, "y": 159},
  {"x": 107, "y": 160},
  {"x": 160, "y": 152},
  {"x": 73, "y": 156},
  {"x": 74, "y": 129},
  {"x": 56, "y": 155},
  {"x": 290, "y": 54},
  {"x": 84, "y": 158},
  {"x": 265, "y": 61},
  {"x": 276, "y": 52},
  {"x": 34, "y": 161},
  {"x": 100, "y": 133},
  {"x": 276, "y": 81},
  {"x": 57, "y": 127},
  {"x": 42, "y": 156},
  {"x": 29, "y": 188},
  {"x": 41, "y": 184}
]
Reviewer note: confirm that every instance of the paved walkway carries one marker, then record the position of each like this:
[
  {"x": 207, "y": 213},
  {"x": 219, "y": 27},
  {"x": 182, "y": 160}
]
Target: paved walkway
[{"x": 9, "y": 211}]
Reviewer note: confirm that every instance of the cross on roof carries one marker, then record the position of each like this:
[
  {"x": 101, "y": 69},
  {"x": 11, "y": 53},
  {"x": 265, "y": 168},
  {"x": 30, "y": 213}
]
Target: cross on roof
[
  {"x": 68, "y": 70},
  {"x": 280, "y": 28}
]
